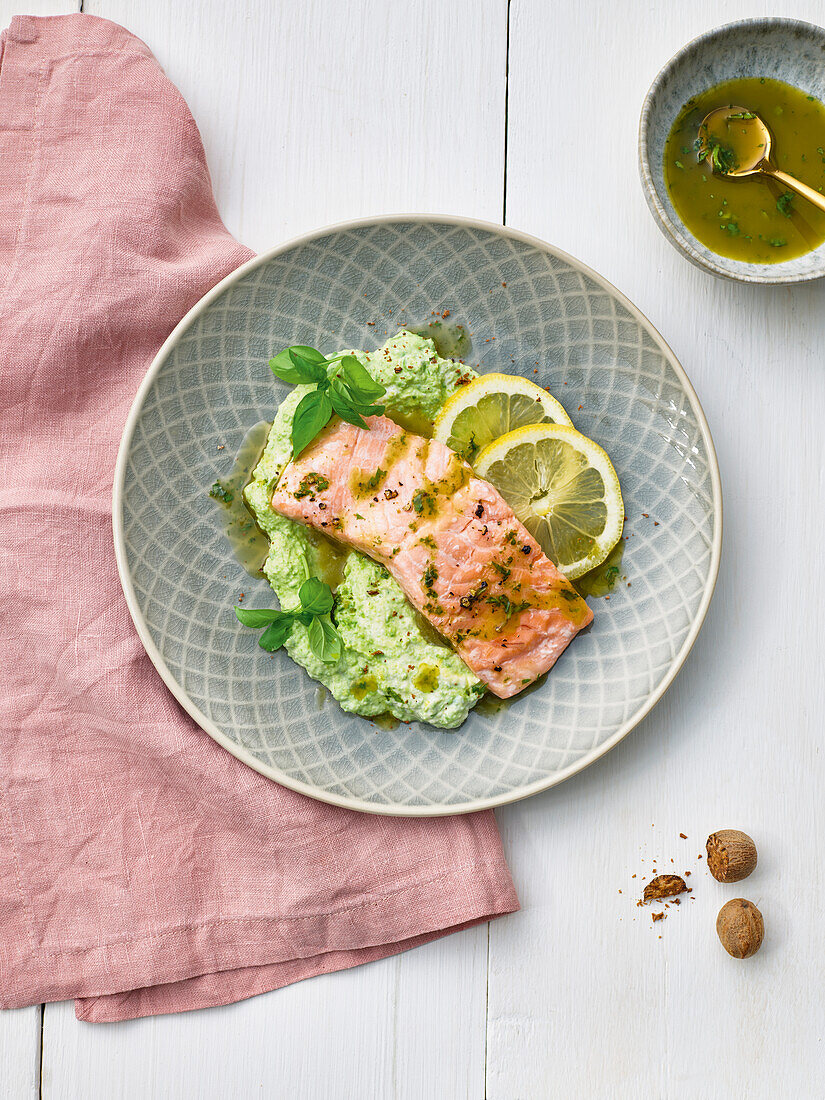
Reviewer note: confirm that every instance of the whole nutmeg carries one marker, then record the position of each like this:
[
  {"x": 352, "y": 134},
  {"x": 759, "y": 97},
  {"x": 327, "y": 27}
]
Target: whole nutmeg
[
  {"x": 740, "y": 928},
  {"x": 731, "y": 855}
]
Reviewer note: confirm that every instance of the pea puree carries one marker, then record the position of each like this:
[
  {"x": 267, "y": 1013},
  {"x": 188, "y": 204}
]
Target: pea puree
[{"x": 392, "y": 662}]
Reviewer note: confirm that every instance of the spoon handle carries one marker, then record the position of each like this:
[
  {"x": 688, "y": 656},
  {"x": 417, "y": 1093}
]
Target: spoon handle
[{"x": 795, "y": 185}]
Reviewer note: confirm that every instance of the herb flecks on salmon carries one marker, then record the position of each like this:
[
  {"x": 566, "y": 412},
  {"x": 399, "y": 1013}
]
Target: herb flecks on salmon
[
  {"x": 311, "y": 484},
  {"x": 448, "y": 538}
]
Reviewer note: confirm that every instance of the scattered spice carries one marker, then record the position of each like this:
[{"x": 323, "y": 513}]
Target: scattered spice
[
  {"x": 664, "y": 886},
  {"x": 659, "y": 916}
]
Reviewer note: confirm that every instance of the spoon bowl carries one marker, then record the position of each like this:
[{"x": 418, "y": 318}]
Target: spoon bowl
[
  {"x": 735, "y": 142},
  {"x": 737, "y": 131}
]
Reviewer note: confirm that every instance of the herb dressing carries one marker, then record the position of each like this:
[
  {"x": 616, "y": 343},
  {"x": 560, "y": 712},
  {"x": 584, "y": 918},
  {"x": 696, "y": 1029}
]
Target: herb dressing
[
  {"x": 249, "y": 544},
  {"x": 752, "y": 218}
]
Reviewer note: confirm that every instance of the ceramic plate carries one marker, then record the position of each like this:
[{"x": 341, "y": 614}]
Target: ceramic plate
[{"x": 529, "y": 309}]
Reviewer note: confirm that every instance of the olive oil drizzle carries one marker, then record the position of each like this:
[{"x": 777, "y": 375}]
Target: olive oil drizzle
[
  {"x": 602, "y": 580},
  {"x": 367, "y": 483},
  {"x": 249, "y": 544}
]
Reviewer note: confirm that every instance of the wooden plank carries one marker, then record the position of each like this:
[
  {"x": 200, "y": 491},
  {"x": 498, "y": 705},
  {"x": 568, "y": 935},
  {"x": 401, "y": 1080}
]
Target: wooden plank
[
  {"x": 405, "y": 1027},
  {"x": 313, "y": 113},
  {"x": 319, "y": 112},
  {"x": 10, "y": 8},
  {"x": 20, "y": 1053},
  {"x": 585, "y": 999}
]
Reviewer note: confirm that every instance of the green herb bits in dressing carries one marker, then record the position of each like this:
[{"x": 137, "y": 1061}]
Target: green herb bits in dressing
[{"x": 752, "y": 218}]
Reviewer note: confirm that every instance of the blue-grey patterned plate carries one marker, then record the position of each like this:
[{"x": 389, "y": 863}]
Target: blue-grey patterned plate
[{"x": 529, "y": 308}]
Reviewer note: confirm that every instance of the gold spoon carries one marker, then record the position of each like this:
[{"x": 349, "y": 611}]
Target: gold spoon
[{"x": 736, "y": 142}]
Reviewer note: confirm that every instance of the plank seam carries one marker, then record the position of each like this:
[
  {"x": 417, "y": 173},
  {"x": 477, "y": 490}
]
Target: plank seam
[
  {"x": 39, "y": 1053},
  {"x": 506, "y": 110}
]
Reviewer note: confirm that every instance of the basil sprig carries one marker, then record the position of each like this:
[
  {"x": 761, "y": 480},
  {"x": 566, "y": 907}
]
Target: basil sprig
[
  {"x": 316, "y": 603},
  {"x": 350, "y": 392}
]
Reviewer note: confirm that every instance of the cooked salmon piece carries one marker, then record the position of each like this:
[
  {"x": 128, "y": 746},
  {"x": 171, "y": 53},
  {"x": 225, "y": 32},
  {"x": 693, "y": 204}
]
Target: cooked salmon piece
[{"x": 448, "y": 538}]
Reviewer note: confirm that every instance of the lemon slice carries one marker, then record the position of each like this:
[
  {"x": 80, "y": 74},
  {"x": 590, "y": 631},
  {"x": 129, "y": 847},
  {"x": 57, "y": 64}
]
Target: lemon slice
[
  {"x": 563, "y": 488},
  {"x": 490, "y": 407}
]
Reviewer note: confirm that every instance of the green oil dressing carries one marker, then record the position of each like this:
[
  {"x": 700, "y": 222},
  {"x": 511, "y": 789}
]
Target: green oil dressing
[
  {"x": 751, "y": 218},
  {"x": 490, "y": 705},
  {"x": 363, "y": 687},
  {"x": 385, "y": 721},
  {"x": 412, "y": 421},
  {"x": 367, "y": 483},
  {"x": 451, "y": 339},
  {"x": 602, "y": 580},
  {"x": 249, "y": 544},
  {"x": 364, "y": 484},
  {"x": 493, "y": 613},
  {"x": 503, "y": 594},
  {"x": 328, "y": 558},
  {"x": 427, "y": 497},
  {"x": 426, "y": 628},
  {"x": 426, "y": 679}
]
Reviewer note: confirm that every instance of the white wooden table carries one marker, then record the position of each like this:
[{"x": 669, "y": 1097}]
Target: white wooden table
[{"x": 324, "y": 110}]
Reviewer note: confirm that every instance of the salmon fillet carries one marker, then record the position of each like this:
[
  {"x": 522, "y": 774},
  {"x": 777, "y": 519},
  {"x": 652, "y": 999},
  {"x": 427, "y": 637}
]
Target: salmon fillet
[{"x": 448, "y": 538}]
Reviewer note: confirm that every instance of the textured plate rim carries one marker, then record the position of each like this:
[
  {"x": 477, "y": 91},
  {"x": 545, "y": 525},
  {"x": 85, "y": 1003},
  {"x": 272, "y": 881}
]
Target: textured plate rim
[{"x": 353, "y": 803}]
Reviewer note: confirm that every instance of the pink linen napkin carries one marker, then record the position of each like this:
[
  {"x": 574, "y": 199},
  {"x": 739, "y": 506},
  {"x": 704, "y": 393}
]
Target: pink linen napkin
[{"x": 143, "y": 869}]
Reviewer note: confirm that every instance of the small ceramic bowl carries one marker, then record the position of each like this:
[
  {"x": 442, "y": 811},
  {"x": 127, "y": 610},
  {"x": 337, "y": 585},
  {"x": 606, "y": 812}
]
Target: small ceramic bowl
[{"x": 784, "y": 49}]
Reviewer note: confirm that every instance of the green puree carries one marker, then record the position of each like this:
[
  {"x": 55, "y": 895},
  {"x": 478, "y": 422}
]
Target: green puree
[
  {"x": 752, "y": 218},
  {"x": 392, "y": 660}
]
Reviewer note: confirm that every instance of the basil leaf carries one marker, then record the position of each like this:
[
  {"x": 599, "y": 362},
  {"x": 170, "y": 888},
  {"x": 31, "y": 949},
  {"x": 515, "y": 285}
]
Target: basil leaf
[
  {"x": 256, "y": 617},
  {"x": 312, "y": 354},
  {"x": 276, "y": 634},
  {"x": 315, "y": 371},
  {"x": 313, "y": 413},
  {"x": 315, "y": 596},
  {"x": 324, "y": 640},
  {"x": 299, "y": 364},
  {"x": 361, "y": 384},
  {"x": 344, "y": 407}
]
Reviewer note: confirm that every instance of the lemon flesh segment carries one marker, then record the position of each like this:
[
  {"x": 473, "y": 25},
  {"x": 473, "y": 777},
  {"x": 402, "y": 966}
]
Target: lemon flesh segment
[
  {"x": 490, "y": 407},
  {"x": 563, "y": 488}
]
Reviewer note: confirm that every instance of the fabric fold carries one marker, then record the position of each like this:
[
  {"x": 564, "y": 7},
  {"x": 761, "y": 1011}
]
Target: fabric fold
[{"x": 143, "y": 869}]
